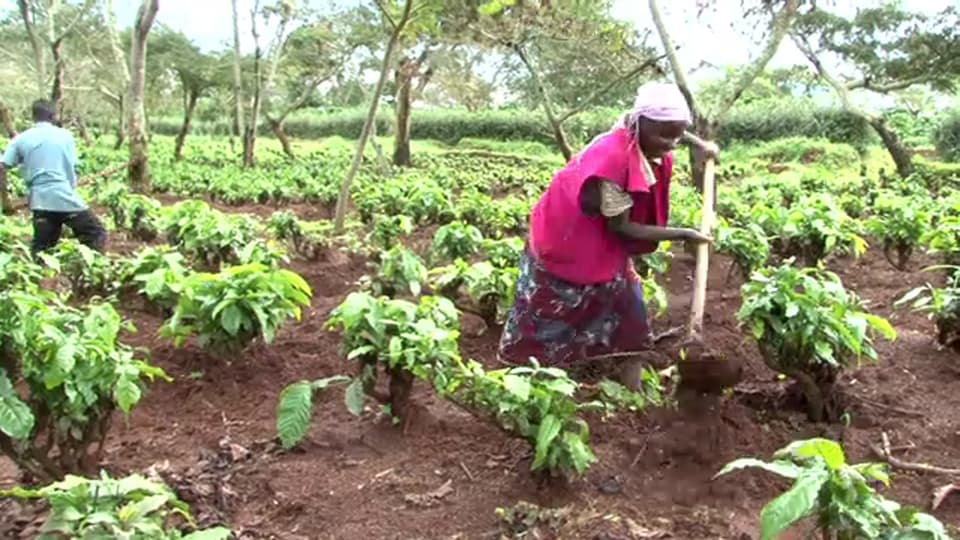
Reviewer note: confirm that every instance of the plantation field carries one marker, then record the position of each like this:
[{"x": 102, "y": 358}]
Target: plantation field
[{"x": 453, "y": 226}]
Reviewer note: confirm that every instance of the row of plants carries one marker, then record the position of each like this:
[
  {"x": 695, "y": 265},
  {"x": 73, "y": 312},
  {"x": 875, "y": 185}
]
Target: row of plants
[
  {"x": 757, "y": 121},
  {"x": 64, "y": 372},
  {"x": 408, "y": 341}
]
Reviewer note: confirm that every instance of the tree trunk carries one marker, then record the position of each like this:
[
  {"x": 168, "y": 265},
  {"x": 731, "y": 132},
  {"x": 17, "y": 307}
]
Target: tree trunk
[
  {"x": 122, "y": 70},
  {"x": 39, "y": 56},
  {"x": 121, "y": 129},
  {"x": 706, "y": 129},
  {"x": 238, "y": 126},
  {"x": 276, "y": 125},
  {"x": 56, "y": 92},
  {"x": 6, "y": 120},
  {"x": 138, "y": 168},
  {"x": 404, "y": 81},
  {"x": 558, "y": 133},
  {"x": 344, "y": 196},
  {"x": 191, "y": 105},
  {"x": 82, "y": 130},
  {"x": 383, "y": 165},
  {"x": 902, "y": 157}
]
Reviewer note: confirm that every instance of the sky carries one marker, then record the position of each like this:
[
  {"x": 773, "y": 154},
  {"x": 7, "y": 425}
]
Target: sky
[
  {"x": 717, "y": 36},
  {"x": 208, "y": 23}
]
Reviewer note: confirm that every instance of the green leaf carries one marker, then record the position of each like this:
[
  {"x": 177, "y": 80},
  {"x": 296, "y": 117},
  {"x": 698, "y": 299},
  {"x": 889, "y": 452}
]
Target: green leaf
[
  {"x": 830, "y": 451},
  {"x": 16, "y": 418},
  {"x": 293, "y": 413},
  {"x": 794, "y": 504},
  {"x": 782, "y": 468},
  {"x": 146, "y": 506},
  {"x": 353, "y": 396},
  {"x": 518, "y": 386},
  {"x": 547, "y": 432},
  {"x": 231, "y": 318},
  {"x": 881, "y": 325},
  {"x": 874, "y": 471},
  {"x": 127, "y": 393}
]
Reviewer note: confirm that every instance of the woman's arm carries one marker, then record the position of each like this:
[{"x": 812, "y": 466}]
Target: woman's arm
[{"x": 621, "y": 224}]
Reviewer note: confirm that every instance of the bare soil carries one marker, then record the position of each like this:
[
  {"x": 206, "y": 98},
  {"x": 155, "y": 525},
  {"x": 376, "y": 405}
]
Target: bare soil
[{"x": 211, "y": 434}]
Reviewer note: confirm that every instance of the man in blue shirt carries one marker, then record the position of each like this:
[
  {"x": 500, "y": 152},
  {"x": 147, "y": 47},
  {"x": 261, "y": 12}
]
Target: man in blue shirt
[{"x": 47, "y": 157}]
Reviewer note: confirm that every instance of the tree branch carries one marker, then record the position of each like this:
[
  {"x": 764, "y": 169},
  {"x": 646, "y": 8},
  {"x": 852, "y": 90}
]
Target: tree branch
[
  {"x": 841, "y": 89},
  {"x": 780, "y": 24},
  {"x": 679, "y": 75},
  {"x": 584, "y": 103},
  {"x": 865, "y": 84},
  {"x": 83, "y": 11},
  {"x": 302, "y": 98},
  {"x": 386, "y": 14},
  {"x": 886, "y": 454}
]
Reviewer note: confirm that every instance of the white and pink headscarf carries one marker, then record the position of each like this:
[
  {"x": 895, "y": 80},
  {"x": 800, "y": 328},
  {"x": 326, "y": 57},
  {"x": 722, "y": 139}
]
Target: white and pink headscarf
[{"x": 662, "y": 102}]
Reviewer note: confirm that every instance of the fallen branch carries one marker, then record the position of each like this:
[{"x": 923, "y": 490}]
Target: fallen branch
[
  {"x": 885, "y": 453},
  {"x": 884, "y": 406},
  {"x": 941, "y": 493},
  {"x": 105, "y": 173}
]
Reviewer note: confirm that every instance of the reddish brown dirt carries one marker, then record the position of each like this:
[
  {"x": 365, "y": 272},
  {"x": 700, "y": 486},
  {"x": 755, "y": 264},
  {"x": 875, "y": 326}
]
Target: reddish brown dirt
[{"x": 352, "y": 477}]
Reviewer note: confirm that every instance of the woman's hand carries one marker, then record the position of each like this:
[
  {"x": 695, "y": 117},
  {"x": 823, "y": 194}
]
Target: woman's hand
[{"x": 695, "y": 237}]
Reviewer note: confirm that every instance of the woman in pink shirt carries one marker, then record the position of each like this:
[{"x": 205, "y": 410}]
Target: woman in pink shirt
[{"x": 578, "y": 295}]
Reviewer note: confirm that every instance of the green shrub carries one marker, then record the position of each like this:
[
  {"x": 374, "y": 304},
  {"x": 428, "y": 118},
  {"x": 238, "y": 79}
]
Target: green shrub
[
  {"x": 935, "y": 175},
  {"x": 947, "y": 137},
  {"x": 759, "y": 121},
  {"x": 807, "y": 150},
  {"x": 775, "y": 119}
]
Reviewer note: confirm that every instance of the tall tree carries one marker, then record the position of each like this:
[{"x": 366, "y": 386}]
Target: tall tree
[
  {"x": 238, "y": 124},
  {"x": 58, "y": 20},
  {"x": 574, "y": 53},
  {"x": 781, "y": 15},
  {"x": 410, "y": 78},
  {"x": 265, "y": 62},
  {"x": 138, "y": 170},
  {"x": 196, "y": 72},
  {"x": 314, "y": 54},
  {"x": 398, "y": 24},
  {"x": 890, "y": 49},
  {"x": 118, "y": 65}
]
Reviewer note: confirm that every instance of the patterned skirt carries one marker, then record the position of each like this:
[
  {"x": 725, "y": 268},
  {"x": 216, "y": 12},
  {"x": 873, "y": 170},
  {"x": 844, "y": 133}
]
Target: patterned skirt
[{"x": 560, "y": 323}]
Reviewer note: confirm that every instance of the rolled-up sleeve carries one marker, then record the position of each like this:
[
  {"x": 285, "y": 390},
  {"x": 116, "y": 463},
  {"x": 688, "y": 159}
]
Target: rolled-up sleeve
[{"x": 614, "y": 201}]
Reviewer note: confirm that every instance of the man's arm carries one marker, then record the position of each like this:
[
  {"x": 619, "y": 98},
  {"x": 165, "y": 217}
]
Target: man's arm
[{"x": 72, "y": 160}]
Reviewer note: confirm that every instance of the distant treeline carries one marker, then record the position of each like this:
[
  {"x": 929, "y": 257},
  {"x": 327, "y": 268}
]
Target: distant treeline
[{"x": 758, "y": 121}]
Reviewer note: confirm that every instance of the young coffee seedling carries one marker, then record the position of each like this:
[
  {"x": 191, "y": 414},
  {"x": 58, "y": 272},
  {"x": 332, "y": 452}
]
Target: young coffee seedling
[
  {"x": 942, "y": 304},
  {"x": 810, "y": 328},
  {"x": 228, "y": 310},
  {"x": 899, "y": 223},
  {"x": 837, "y": 495},
  {"x": 76, "y": 375},
  {"x": 131, "y": 507}
]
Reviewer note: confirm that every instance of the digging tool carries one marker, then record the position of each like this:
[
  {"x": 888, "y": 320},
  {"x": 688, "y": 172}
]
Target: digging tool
[{"x": 700, "y": 368}]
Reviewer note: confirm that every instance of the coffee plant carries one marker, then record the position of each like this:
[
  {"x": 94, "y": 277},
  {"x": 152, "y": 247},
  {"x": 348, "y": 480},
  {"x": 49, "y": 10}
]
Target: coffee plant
[
  {"x": 226, "y": 311},
  {"x": 132, "y": 507},
  {"x": 809, "y": 327},
  {"x": 900, "y": 224},
  {"x": 837, "y": 495},
  {"x": 76, "y": 373}
]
